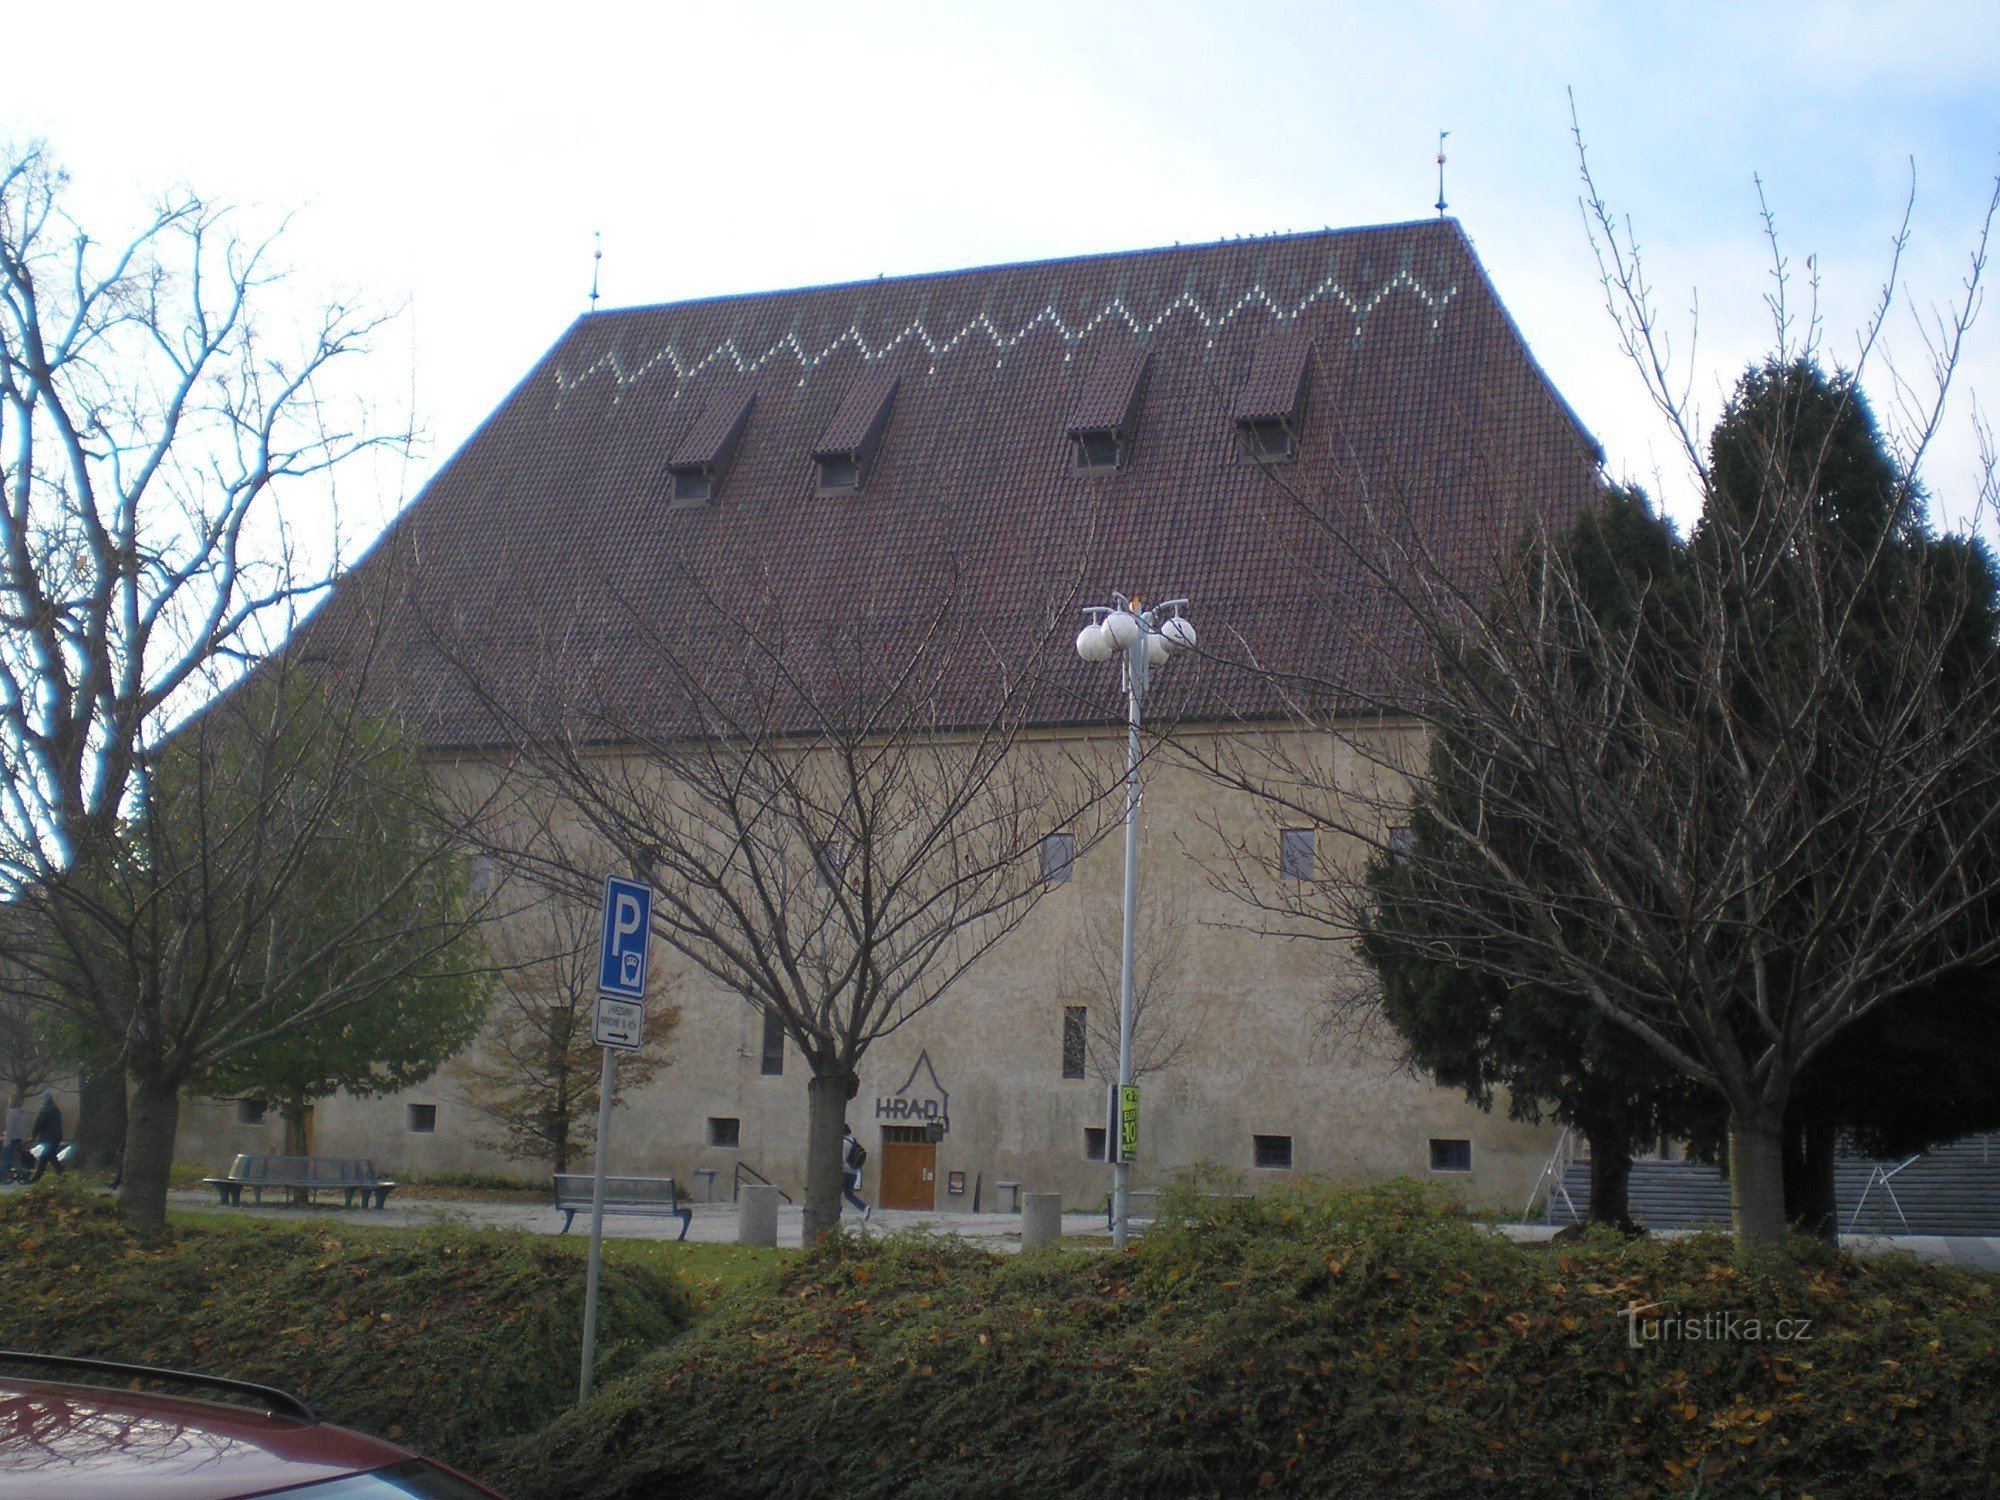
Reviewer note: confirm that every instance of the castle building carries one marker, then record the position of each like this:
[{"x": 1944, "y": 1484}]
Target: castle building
[{"x": 1206, "y": 422}]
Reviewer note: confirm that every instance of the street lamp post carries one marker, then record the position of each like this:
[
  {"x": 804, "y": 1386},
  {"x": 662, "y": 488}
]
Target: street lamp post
[{"x": 1145, "y": 638}]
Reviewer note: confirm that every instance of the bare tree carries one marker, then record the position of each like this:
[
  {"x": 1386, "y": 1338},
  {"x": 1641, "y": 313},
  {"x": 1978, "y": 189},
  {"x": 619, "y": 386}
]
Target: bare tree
[
  {"x": 149, "y": 424},
  {"x": 1166, "y": 1019},
  {"x": 840, "y": 816},
  {"x": 534, "y": 1074},
  {"x": 1735, "y": 804}
]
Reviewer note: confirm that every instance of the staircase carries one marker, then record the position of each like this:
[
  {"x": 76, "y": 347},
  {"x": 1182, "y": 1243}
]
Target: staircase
[{"x": 1950, "y": 1189}]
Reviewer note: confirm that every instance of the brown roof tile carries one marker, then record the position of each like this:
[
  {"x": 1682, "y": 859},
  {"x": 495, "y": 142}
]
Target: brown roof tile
[
  {"x": 1277, "y": 378},
  {"x": 545, "y": 552},
  {"x": 1110, "y": 396}
]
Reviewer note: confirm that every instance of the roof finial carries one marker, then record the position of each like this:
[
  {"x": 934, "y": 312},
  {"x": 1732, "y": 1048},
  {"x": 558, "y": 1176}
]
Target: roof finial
[
  {"x": 597, "y": 255},
  {"x": 1441, "y": 135}
]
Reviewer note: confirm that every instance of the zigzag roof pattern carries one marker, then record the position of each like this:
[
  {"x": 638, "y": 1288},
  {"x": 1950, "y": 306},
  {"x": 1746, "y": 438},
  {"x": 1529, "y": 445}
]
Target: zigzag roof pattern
[{"x": 544, "y": 553}]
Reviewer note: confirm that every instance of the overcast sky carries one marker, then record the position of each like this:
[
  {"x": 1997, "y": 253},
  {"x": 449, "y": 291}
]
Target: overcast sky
[{"x": 455, "y": 161}]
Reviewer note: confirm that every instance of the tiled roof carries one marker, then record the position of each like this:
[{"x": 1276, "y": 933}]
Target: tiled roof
[
  {"x": 1277, "y": 376},
  {"x": 1111, "y": 390},
  {"x": 547, "y": 541}
]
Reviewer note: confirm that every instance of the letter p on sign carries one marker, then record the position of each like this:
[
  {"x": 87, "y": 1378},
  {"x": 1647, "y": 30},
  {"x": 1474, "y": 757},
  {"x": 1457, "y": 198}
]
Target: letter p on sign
[{"x": 628, "y": 913}]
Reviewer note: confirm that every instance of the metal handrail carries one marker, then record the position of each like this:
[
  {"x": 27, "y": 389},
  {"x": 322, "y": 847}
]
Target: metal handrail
[
  {"x": 1883, "y": 1175},
  {"x": 744, "y": 1169},
  {"x": 1555, "y": 1171}
]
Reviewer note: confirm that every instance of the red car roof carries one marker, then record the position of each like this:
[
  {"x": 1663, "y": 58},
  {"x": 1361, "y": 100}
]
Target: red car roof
[{"x": 72, "y": 1440}]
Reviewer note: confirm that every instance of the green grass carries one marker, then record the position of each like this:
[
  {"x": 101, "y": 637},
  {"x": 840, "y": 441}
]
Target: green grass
[
  {"x": 1309, "y": 1342},
  {"x": 449, "y": 1340}
]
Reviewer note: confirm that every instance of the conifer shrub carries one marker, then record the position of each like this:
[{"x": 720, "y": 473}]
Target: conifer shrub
[
  {"x": 448, "y": 1340},
  {"x": 1309, "y": 1341}
]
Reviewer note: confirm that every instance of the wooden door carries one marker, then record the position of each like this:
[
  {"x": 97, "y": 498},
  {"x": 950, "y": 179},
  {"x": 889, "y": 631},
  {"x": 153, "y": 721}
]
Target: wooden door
[{"x": 909, "y": 1168}]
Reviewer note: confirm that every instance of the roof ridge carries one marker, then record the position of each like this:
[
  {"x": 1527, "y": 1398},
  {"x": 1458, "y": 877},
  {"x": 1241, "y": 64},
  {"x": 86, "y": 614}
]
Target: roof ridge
[{"x": 1086, "y": 259}]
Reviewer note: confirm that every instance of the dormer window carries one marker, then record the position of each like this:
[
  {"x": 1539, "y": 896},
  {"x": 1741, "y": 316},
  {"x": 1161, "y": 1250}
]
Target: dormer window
[
  {"x": 1270, "y": 409},
  {"x": 846, "y": 450},
  {"x": 1107, "y": 412},
  {"x": 699, "y": 463}
]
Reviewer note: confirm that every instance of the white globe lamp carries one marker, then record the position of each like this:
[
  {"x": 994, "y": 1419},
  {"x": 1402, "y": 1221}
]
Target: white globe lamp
[
  {"x": 1121, "y": 627},
  {"x": 1178, "y": 633},
  {"x": 1092, "y": 645},
  {"x": 1157, "y": 649}
]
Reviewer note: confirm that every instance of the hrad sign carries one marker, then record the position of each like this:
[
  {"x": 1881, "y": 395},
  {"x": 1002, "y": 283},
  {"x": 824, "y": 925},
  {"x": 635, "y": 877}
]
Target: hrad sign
[{"x": 921, "y": 1100}]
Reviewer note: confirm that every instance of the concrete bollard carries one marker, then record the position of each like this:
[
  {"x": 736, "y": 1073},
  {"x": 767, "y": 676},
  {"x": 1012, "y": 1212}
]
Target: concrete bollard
[
  {"x": 759, "y": 1223},
  {"x": 1041, "y": 1219}
]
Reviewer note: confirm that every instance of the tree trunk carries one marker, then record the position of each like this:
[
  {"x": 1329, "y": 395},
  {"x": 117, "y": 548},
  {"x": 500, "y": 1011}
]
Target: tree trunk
[
  {"x": 298, "y": 1142},
  {"x": 1819, "y": 1210},
  {"x": 1610, "y": 1176},
  {"x": 826, "y": 1118},
  {"x": 1757, "y": 1182},
  {"x": 149, "y": 1153},
  {"x": 100, "y": 1113}
]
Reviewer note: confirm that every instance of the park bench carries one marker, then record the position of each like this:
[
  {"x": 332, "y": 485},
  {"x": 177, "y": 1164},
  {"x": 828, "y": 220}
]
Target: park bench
[
  {"x": 623, "y": 1195},
  {"x": 347, "y": 1175}
]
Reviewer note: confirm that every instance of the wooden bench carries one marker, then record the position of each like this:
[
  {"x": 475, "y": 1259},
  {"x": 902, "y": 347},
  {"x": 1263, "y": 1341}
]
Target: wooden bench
[
  {"x": 347, "y": 1175},
  {"x": 656, "y": 1196}
]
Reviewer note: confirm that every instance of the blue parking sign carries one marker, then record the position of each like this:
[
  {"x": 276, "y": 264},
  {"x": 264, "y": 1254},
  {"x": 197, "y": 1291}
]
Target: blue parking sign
[{"x": 628, "y": 921}]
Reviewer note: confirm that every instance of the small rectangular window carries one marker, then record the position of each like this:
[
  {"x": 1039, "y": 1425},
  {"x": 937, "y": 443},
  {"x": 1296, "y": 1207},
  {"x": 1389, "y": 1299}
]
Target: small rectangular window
[
  {"x": 1270, "y": 440},
  {"x": 1451, "y": 1156},
  {"x": 250, "y": 1111},
  {"x": 1097, "y": 452},
  {"x": 421, "y": 1119},
  {"x": 1402, "y": 842},
  {"x": 1058, "y": 857},
  {"x": 839, "y": 474},
  {"x": 1273, "y": 1151},
  {"x": 774, "y": 1045},
  {"x": 1295, "y": 854},
  {"x": 1076, "y": 1039},
  {"x": 692, "y": 487},
  {"x": 724, "y": 1132},
  {"x": 1093, "y": 1142}
]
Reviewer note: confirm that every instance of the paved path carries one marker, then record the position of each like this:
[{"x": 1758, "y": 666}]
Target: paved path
[{"x": 715, "y": 1224}]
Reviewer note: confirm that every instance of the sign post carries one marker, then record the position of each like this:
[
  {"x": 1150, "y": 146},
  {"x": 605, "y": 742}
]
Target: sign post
[{"x": 621, "y": 1014}]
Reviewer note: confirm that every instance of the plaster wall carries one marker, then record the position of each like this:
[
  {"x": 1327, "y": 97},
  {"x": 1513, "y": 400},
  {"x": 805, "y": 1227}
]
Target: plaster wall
[{"x": 1261, "y": 1060}]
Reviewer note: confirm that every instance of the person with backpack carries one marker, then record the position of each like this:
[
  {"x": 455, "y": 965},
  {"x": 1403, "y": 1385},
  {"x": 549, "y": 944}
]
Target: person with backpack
[{"x": 852, "y": 1155}]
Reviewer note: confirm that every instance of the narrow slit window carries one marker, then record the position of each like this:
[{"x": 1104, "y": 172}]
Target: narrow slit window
[
  {"x": 1058, "y": 858},
  {"x": 1075, "y": 1040},
  {"x": 774, "y": 1046}
]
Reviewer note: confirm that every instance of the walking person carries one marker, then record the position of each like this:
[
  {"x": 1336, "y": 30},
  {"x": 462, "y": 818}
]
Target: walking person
[
  {"x": 48, "y": 1136},
  {"x": 852, "y": 1155}
]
